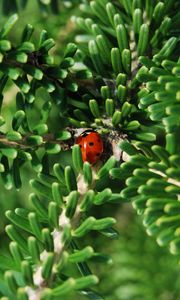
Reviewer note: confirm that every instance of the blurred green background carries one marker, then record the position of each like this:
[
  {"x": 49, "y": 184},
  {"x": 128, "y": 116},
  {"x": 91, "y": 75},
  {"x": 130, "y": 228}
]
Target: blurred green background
[{"x": 139, "y": 268}]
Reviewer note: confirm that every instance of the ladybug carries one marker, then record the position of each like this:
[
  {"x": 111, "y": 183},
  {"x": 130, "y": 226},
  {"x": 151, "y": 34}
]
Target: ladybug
[{"x": 91, "y": 146}]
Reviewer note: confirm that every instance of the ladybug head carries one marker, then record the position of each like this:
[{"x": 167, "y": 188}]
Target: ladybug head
[{"x": 86, "y": 132}]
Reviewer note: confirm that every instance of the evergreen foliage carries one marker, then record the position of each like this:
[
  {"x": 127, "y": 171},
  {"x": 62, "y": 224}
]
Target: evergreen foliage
[
  {"x": 135, "y": 273},
  {"x": 120, "y": 77}
]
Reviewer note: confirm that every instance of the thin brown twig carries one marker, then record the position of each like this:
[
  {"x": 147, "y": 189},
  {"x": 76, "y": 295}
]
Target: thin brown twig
[{"x": 23, "y": 143}]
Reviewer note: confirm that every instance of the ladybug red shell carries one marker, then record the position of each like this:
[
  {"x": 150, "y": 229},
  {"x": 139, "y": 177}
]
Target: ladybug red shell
[{"x": 91, "y": 146}]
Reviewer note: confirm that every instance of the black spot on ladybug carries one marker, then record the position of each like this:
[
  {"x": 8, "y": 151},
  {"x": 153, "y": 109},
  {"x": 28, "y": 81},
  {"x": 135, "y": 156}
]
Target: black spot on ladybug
[
  {"x": 98, "y": 154},
  {"x": 80, "y": 146},
  {"x": 91, "y": 144}
]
